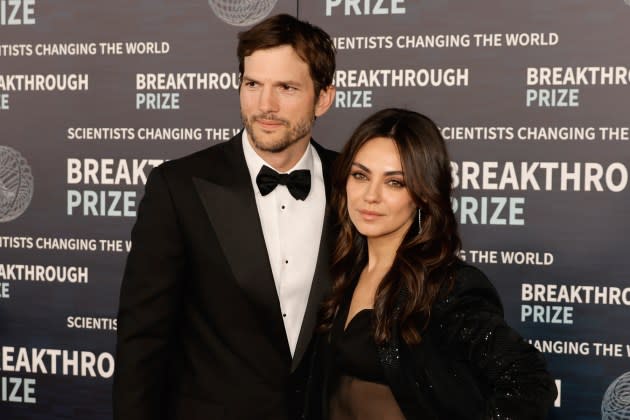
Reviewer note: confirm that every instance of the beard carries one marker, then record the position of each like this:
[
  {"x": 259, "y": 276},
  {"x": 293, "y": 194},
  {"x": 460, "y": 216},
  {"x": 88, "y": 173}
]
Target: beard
[{"x": 279, "y": 141}]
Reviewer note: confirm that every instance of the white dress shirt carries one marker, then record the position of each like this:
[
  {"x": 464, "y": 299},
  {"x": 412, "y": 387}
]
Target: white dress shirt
[{"x": 292, "y": 230}]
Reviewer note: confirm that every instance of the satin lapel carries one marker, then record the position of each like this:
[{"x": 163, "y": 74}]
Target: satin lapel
[
  {"x": 328, "y": 160},
  {"x": 319, "y": 287},
  {"x": 321, "y": 277},
  {"x": 230, "y": 204}
]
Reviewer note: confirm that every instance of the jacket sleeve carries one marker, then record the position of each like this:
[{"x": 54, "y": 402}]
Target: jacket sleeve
[
  {"x": 513, "y": 374},
  {"x": 150, "y": 297}
]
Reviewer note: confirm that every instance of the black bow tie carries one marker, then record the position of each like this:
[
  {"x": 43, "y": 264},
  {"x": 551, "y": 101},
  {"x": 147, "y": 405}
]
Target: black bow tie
[{"x": 298, "y": 182}]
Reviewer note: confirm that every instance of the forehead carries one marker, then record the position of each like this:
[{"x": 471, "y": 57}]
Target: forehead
[
  {"x": 379, "y": 154},
  {"x": 277, "y": 62}
]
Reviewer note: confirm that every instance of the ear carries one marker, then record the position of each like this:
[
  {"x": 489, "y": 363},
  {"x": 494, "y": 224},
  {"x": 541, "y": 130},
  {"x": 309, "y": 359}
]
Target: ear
[{"x": 325, "y": 100}]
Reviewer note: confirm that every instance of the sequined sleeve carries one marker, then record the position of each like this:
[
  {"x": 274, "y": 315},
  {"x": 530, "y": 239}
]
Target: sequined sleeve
[{"x": 513, "y": 373}]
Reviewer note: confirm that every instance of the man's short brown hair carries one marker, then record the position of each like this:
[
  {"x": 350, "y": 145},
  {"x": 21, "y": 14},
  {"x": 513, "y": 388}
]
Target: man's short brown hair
[{"x": 311, "y": 44}]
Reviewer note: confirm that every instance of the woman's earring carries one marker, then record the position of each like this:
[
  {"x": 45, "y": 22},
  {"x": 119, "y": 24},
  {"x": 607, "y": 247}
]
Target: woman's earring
[{"x": 419, "y": 221}]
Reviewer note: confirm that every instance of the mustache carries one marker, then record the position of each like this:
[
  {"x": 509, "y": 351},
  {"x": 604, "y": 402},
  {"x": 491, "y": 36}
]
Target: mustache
[{"x": 270, "y": 117}]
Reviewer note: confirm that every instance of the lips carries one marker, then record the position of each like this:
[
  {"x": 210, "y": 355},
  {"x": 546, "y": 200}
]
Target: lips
[
  {"x": 269, "y": 124},
  {"x": 370, "y": 215}
]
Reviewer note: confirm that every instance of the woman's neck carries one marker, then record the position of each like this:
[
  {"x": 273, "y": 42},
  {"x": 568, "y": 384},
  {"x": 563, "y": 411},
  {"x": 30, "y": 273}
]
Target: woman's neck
[{"x": 381, "y": 254}]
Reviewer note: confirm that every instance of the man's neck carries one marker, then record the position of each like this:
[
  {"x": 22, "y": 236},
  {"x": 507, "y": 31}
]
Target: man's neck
[{"x": 286, "y": 159}]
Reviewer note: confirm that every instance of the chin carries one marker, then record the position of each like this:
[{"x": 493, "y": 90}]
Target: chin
[
  {"x": 270, "y": 142},
  {"x": 369, "y": 231}
]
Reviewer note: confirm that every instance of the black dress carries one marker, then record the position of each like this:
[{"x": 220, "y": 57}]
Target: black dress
[{"x": 359, "y": 388}]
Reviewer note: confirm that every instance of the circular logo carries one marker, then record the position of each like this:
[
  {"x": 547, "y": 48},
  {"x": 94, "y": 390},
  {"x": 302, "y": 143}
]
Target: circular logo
[
  {"x": 241, "y": 12},
  {"x": 616, "y": 402},
  {"x": 16, "y": 184}
]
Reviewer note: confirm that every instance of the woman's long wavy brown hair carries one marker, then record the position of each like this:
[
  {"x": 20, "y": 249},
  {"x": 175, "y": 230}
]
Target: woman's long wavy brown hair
[{"x": 424, "y": 262}]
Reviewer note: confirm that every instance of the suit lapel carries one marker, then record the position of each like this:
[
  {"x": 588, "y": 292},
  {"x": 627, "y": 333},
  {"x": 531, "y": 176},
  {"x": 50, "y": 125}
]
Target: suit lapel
[
  {"x": 321, "y": 277},
  {"x": 319, "y": 287},
  {"x": 228, "y": 199}
]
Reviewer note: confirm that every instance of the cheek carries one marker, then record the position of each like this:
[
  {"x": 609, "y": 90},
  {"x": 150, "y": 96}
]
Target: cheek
[
  {"x": 406, "y": 208},
  {"x": 352, "y": 192},
  {"x": 247, "y": 100},
  {"x": 349, "y": 198},
  {"x": 298, "y": 110}
]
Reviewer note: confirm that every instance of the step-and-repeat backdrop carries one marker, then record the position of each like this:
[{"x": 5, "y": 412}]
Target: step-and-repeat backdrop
[{"x": 532, "y": 98}]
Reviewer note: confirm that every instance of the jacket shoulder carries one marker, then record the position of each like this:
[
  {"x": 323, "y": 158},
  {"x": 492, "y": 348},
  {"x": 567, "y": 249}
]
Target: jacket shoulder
[
  {"x": 472, "y": 283},
  {"x": 468, "y": 276},
  {"x": 202, "y": 161},
  {"x": 324, "y": 153}
]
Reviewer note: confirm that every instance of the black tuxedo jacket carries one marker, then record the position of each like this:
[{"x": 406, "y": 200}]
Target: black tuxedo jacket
[{"x": 200, "y": 331}]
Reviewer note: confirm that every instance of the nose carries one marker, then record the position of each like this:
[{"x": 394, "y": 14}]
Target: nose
[
  {"x": 268, "y": 101},
  {"x": 372, "y": 193}
]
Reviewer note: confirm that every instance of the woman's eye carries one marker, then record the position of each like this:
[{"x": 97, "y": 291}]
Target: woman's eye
[
  {"x": 396, "y": 183},
  {"x": 358, "y": 175}
]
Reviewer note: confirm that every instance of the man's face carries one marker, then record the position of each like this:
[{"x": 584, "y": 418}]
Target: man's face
[{"x": 277, "y": 96}]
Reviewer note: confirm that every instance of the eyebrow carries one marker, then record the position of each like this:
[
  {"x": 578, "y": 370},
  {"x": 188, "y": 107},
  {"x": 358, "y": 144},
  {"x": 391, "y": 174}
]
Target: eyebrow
[
  {"x": 366, "y": 169},
  {"x": 276, "y": 83}
]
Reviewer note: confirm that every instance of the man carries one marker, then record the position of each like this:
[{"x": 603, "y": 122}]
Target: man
[{"x": 229, "y": 259}]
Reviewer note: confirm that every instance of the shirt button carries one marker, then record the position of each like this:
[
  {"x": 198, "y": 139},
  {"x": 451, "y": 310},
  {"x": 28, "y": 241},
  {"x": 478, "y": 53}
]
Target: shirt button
[
  {"x": 286, "y": 261},
  {"x": 284, "y": 315},
  {"x": 283, "y": 207}
]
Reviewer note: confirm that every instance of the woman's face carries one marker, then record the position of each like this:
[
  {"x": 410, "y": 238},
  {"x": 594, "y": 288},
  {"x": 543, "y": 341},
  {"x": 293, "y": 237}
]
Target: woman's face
[{"x": 379, "y": 204}]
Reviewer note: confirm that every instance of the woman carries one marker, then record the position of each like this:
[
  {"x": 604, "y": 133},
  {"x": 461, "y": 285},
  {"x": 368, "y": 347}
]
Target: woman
[{"x": 409, "y": 330}]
